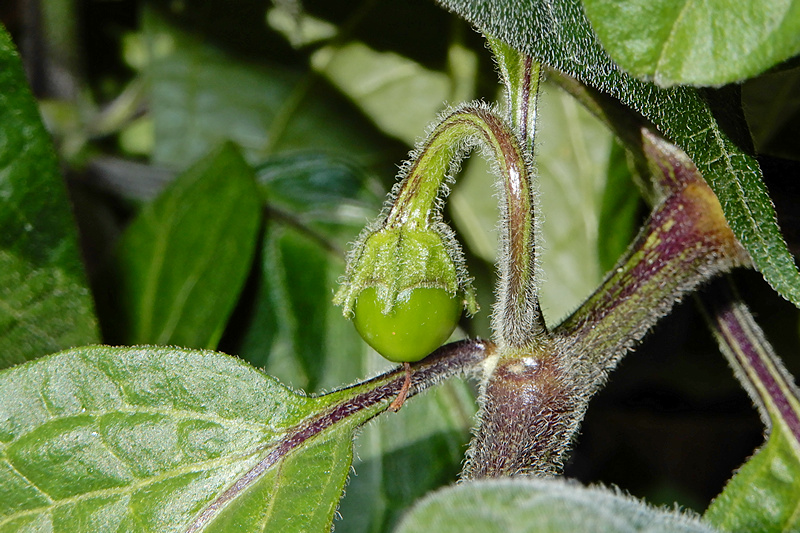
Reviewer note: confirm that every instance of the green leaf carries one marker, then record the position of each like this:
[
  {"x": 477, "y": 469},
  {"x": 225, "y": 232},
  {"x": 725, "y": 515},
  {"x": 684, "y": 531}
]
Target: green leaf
[
  {"x": 401, "y": 458},
  {"x": 295, "y": 332},
  {"x": 45, "y": 304},
  {"x": 401, "y": 96},
  {"x": 182, "y": 262},
  {"x": 329, "y": 194},
  {"x": 697, "y": 43},
  {"x": 528, "y": 505},
  {"x": 202, "y": 96},
  {"x": 558, "y": 34},
  {"x": 109, "y": 439},
  {"x": 762, "y": 496},
  {"x": 619, "y": 209},
  {"x": 162, "y": 439}
]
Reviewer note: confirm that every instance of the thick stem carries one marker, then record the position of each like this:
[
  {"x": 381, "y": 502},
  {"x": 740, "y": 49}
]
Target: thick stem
[
  {"x": 685, "y": 242},
  {"x": 531, "y": 407},
  {"x": 534, "y": 401}
]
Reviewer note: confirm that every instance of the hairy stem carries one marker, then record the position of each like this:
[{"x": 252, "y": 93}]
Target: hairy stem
[
  {"x": 534, "y": 401},
  {"x": 685, "y": 242},
  {"x": 517, "y": 320},
  {"x": 755, "y": 363}
]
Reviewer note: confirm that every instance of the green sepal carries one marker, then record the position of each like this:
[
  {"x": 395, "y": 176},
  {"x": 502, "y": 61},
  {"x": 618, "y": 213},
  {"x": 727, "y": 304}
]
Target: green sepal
[{"x": 395, "y": 260}]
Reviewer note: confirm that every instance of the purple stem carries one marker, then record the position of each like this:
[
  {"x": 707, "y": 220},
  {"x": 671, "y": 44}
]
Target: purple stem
[
  {"x": 449, "y": 360},
  {"x": 754, "y": 362}
]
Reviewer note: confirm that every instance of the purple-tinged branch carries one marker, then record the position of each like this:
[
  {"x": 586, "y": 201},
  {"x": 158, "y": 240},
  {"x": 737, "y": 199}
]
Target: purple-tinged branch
[
  {"x": 357, "y": 404},
  {"x": 758, "y": 368},
  {"x": 534, "y": 400},
  {"x": 685, "y": 242}
]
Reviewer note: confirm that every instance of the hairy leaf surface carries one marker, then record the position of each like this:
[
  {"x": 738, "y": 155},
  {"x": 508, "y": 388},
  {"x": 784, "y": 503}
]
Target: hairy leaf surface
[
  {"x": 523, "y": 505},
  {"x": 146, "y": 439},
  {"x": 762, "y": 496}
]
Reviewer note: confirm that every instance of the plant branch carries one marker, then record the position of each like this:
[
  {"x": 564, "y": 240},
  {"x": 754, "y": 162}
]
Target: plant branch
[
  {"x": 534, "y": 401},
  {"x": 685, "y": 242},
  {"x": 361, "y": 402},
  {"x": 755, "y": 363}
]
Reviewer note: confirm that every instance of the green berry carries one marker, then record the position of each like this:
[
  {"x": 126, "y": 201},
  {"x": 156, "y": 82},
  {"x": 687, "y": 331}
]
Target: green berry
[{"x": 417, "y": 324}]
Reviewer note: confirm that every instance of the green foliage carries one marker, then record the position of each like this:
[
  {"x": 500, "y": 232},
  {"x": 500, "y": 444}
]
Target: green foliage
[
  {"x": 185, "y": 257},
  {"x": 552, "y": 506},
  {"x": 45, "y": 304},
  {"x": 696, "y": 43},
  {"x": 762, "y": 496},
  {"x": 269, "y": 152},
  {"x": 202, "y": 97},
  {"x": 103, "y": 439},
  {"x": 559, "y": 35}
]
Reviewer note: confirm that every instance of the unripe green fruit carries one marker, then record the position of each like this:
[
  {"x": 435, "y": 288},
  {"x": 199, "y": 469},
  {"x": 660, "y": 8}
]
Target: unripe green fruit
[{"x": 416, "y": 325}]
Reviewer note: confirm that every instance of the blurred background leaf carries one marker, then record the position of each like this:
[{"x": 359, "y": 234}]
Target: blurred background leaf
[
  {"x": 202, "y": 96},
  {"x": 182, "y": 262}
]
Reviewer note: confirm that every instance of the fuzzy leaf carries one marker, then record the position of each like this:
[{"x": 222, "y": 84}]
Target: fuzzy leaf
[
  {"x": 144, "y": 439},
  {"x": 184, "y": 259},
  {"x": 763, "y": 495},
  {"x": 559, "y": 35},
  {"x": 526, "y": 505},
  {"x": 45, "y": 304},
  {"x": 161, "y": 439},
  {"x": 696, "y": 43}
]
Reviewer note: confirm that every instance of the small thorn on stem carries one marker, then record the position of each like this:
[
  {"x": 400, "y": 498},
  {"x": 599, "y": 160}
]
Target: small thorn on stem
[{"x": 403, "y": 394}]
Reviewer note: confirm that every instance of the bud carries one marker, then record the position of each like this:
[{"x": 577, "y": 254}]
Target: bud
[{"x": 405, "y": 289}]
